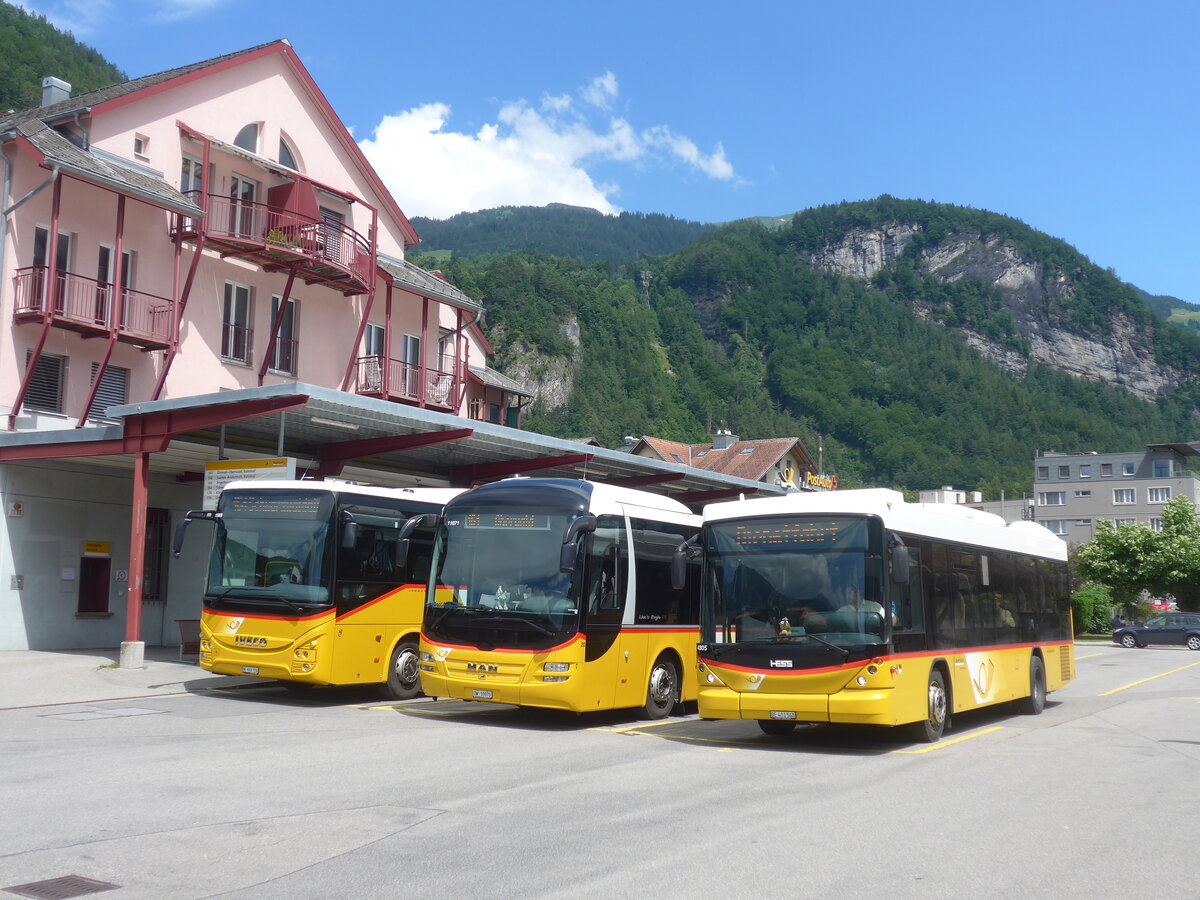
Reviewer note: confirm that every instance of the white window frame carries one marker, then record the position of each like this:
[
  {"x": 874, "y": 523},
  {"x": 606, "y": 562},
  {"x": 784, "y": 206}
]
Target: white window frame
[
  {"x": 1156, "y": 524},
  {"x": 1044, "y": 498},
  {"x": 229, "y": 317},
  {"x": 1156, "y": 495},
  {"x": 1056, "y": 526},
  {"x": 286, "y": 333},
  {"x": 1118, "y": 493}
]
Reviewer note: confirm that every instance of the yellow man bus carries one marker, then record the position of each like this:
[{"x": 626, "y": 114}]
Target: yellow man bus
[
  {"x": 556, "y": 593},
  {"x": 304, "y": 586},
  {"x": 857, "y": 607}
]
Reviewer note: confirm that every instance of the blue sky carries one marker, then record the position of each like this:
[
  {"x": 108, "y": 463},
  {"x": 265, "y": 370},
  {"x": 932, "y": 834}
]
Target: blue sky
[{"x": 1079, "y": 118}]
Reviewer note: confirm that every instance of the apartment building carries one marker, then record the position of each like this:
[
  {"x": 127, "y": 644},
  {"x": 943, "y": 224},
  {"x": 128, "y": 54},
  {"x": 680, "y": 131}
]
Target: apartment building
[
  {"x": 205, "y": 229},
  {"x": 1073, "y": 491}
]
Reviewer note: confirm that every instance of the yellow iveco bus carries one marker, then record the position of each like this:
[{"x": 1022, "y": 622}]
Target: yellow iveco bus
[
  {"x": 857, "y": 607},
  {"x": 304, "y": 586},
  {"x": 557, "y": 593}
]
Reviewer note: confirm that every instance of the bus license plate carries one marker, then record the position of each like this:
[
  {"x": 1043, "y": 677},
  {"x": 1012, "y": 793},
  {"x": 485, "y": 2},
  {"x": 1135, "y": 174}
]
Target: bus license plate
[
  {"x": 481, "y": 695},
  {"x": 782, "y": 714},
  {"x": 249, "y": 670}
]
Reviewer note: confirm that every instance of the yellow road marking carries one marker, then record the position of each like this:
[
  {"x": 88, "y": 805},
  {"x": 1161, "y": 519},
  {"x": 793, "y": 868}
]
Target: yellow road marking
[
  {"x": 1089, "y": 656},
  {"x": 1126, "y": 687},
  {"x": 958, "y": 740},
  {"x": 630, "y": 729}
]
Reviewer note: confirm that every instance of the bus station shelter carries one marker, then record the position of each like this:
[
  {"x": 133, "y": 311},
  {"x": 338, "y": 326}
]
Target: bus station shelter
[{"x": 329, "y": 434}]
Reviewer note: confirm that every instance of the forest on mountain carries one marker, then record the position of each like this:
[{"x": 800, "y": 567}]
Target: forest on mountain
[
  {"x": 739, "y": 330},
  {"x": 31, "y": 48},
  {"x": 560, "y": 230}
]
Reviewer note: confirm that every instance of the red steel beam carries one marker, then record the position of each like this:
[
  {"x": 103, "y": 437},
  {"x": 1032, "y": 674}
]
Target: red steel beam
[
  {"x": 634, "y": 481},
  {"x": 152, "y": 432},
  {"x": 465, "y": 476},
  {"x": 707, "y": 496},
  {"x": 335, "y": 456}
]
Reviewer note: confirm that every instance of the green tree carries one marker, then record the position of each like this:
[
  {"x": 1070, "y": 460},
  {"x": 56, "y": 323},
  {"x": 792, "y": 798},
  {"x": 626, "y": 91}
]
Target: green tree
[
  {"x": 1117, "y": 557},
  {"x": 1174, "y": 565}
]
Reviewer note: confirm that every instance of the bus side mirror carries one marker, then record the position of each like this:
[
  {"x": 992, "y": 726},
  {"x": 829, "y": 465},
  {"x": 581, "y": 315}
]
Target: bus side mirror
[
  {"x": 899, "y": 564},
  {"x": 424, "y": 520},
  {"x": 566, "y": 555},
  {"x": 679, "y": 562},
  {"x": 208, "y": 515},
  {"x": 349, "y": 530}
]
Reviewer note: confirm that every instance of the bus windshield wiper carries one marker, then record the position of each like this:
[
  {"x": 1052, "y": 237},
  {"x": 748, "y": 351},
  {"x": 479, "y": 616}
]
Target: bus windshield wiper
[{"x": 842, "y": 650}]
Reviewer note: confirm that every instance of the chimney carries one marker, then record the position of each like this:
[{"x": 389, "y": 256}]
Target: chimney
[
  {"x": 723, "y": 440},
  {"x": 54, "y": 90}
]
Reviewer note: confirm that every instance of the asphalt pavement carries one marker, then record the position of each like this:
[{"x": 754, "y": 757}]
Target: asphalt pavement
[{"x": 31, "y": 678}]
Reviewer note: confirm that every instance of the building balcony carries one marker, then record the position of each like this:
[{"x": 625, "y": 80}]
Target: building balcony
[
  {"x": 93, "y": 308},
  {"x": 405, "y": 382},
  {"x": 322, "y": 250}
]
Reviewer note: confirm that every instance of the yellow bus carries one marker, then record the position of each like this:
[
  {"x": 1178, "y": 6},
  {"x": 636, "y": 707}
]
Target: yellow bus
[
  {"x": 304, "y": 586},
  {"x": 558, "y": 594},
  {"x": 857, "y": 607}
]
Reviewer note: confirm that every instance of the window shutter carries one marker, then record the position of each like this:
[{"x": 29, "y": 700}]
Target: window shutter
[
  {"x": 45, "y": 387},
  {"x": 113, "y": 390}
]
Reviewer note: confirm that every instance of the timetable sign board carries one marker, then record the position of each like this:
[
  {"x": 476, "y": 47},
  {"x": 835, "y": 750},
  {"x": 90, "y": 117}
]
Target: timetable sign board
[{"x": 218, "y": 474}]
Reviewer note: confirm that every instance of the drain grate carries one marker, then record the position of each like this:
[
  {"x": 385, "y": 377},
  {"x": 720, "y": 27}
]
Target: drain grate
[{"x": 60, "y": 888}]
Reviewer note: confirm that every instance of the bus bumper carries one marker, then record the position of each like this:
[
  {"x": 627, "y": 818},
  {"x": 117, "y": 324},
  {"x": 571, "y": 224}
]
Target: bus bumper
[
  {"x": 860, "y": 707},
  {"x": 545, "y": 696}
]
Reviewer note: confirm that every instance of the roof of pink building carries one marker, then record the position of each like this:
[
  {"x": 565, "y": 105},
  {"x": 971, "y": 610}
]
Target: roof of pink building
[{"x": 35, "y": 125}]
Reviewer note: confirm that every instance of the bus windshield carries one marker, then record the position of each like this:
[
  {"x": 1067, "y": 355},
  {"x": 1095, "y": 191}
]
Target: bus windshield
[
  {"x": 795, "y": 578},
  {"x": 496, "y": 579},
  {"x": 272, "y": 548}
]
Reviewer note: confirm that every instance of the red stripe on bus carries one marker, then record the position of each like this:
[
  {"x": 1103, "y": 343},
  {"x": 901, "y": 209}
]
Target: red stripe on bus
[
  {"x": 566, "y": 643},
  {"x": 392, "y": 593},
  {"x": 858, "y": 664},
  {"x": 227, "y": 615}
]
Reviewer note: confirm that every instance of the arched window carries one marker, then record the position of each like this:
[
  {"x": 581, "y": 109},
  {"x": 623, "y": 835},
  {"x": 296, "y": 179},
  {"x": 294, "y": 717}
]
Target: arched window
[
  {"x": 287, "y": 156},
  {"x": 247, "y": 138}
]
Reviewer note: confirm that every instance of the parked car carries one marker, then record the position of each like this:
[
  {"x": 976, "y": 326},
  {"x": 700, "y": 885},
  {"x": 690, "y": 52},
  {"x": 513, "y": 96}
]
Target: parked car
[{"x": 1166, "y": 628}]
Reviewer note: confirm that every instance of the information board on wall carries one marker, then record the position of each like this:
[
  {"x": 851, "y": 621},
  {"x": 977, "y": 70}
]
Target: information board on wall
[{"x": 218, "y": 474}]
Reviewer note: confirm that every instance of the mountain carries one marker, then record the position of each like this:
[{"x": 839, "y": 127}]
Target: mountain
[
  {"x": 1179, "y": 312},
  {"x": 558, "y": 229},
  {"x": 927, "y": 344},
  {"x": 32, "y": 48}
]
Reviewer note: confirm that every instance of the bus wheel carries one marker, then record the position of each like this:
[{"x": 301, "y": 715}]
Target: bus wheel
[
  {"x": 662, "y": 693},
  {"x": 776, "y": 727},
  {"x": 404, "y": 673},
  {"x": 930, "y": 729},
  {"x": 1036, "y": 701}
]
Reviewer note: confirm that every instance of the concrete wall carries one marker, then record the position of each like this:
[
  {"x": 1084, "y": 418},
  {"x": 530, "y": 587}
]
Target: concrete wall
[{"x": 63, "y": 505}]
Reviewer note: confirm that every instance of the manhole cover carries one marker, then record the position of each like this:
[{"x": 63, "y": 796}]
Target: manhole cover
[{"x": 60, "y": 888}]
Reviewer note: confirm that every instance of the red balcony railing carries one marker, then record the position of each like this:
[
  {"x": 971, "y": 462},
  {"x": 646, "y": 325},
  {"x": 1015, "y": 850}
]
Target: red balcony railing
[
  {"x": 326, "y": 247},
  {"x": 85, "y": 304},
  {"x": 405, "y": 381}
]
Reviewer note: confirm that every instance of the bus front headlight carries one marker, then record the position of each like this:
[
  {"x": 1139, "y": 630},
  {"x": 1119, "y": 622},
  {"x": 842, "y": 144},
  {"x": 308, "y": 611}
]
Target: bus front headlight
[{"x": 556, "y": 667}]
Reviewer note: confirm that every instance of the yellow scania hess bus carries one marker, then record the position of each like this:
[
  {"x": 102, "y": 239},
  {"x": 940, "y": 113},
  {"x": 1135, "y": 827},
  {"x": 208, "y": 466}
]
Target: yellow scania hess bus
[
  {"x": 857, "y": 607},
  {"x": 304, "y": 585},
  {"x": 557, "y": 593}
]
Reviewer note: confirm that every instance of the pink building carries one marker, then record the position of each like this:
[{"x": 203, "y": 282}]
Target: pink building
[
  {"x": 211, "y": 228},
  {"x": 216, "y": 227}
]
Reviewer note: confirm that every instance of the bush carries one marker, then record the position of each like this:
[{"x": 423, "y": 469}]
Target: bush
[{"x": 1092, "y": 610}]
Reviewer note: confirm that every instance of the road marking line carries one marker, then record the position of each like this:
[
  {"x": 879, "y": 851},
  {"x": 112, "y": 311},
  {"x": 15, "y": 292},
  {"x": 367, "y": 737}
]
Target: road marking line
[
  {"x": 630, "y": 729},
  {"x": 958, "y": 740},
  {"x": 1089, "y": 656},
  {"x": 1126, "y": 687}
]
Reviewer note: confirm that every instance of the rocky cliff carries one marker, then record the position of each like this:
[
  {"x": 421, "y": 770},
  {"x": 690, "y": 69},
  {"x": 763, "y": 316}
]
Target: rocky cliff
[{"x": 1034, "y": 294}]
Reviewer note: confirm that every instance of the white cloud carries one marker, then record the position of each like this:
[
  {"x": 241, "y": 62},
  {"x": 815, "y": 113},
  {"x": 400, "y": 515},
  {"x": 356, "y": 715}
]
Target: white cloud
[
  {"x": 602, "y": 91},
  {"x": 528, "y": 157}
]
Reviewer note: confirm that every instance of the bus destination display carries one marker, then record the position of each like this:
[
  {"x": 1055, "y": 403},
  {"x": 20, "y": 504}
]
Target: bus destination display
[
  {"x": 785, "y": 532},
  {"x": 272, "y": 504},
  {"x": 506, "y": 520}
]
